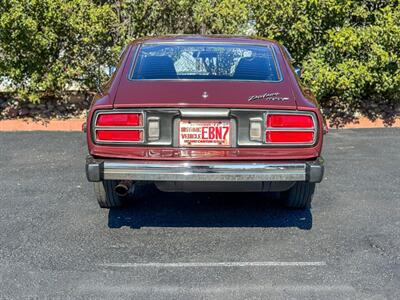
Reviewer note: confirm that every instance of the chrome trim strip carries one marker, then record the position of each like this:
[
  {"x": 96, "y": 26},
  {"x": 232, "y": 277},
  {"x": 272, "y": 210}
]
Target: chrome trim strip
[
  {"x": 263, "y": 43},
  {"x": 198, "y": 171},
  {"x": 204, "y": 112},
  {"x": 132, "y": 63}
]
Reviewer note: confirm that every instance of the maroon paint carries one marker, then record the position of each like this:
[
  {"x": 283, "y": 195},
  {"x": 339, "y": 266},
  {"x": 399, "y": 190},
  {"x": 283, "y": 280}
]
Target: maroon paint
[{"x": 120, "y": 92}]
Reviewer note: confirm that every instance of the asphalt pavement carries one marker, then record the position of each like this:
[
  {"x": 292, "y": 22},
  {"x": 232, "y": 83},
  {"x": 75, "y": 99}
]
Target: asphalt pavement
[{"x": 55, "y": 242}]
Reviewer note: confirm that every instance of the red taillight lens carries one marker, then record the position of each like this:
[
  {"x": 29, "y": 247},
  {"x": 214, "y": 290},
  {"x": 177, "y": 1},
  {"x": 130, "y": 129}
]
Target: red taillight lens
[
  {"x": 290, "y": 128},
  {"x": 289, "y": 137},
  {"x": 119, "y": 119},
  {"x": 108, "y": 129},
  {"x": 119, "y": 135},
  {"x": 290, "y": 121}
]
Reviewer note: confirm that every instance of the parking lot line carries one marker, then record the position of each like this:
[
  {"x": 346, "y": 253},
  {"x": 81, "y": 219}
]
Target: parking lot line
[
  {"x": 217, "y": 264},
  {"x": 218, "y": 289}
]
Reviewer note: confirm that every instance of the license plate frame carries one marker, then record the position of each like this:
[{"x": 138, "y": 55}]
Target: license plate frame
[{"x": 199, "y": 137}]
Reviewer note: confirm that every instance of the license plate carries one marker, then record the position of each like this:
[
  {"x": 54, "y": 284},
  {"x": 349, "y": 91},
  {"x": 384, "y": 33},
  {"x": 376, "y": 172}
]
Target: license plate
[{"x": 199, "y": 133}]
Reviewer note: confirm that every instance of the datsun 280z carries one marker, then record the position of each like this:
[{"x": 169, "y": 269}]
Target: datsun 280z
[{"x": 205, "y": 113}]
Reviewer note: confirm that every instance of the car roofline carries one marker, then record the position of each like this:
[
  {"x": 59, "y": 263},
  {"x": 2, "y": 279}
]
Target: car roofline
[{"x": 190, "y": 38}]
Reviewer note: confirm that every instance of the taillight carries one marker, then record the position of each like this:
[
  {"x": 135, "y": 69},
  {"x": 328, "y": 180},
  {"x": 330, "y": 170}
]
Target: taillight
[
  {"x": 285, "y": 128},
  {"x": 119, "y": 127},
  {"x": 289, "y": 136},
  {"x": 119, "y": 120},
  {"x": 119, "y": 135},
  {"x": 290, "y": 121}
]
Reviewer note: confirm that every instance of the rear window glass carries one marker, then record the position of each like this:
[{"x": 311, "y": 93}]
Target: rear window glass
[{"x": 205, "y": 62}]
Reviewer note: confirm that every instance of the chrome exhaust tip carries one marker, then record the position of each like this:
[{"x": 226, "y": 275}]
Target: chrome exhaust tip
[{"x": 122, "y": 189}]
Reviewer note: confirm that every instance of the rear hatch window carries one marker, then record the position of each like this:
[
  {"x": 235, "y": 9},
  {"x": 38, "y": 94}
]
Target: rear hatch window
[{"x": 205, "y": 62}]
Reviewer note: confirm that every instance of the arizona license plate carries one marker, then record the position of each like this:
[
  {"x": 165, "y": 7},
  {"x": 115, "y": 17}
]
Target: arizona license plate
[{"x": 204, "y": 133}]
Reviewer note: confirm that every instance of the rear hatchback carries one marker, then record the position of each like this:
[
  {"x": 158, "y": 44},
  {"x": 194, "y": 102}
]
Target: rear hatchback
[{"x": 205, "y": 114}]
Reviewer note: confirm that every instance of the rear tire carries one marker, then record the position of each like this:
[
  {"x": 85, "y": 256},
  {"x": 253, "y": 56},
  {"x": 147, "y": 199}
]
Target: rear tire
[
  {"x": 300, "y": 195},
  {"x": 105, "y": 194}
]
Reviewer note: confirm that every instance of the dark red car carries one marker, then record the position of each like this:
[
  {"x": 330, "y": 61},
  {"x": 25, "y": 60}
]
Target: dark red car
[{"x": 205, "y": 113}]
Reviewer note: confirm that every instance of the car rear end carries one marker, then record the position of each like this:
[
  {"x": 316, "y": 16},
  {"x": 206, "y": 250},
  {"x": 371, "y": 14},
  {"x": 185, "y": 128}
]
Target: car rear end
[{"x": 205, "y": 115}]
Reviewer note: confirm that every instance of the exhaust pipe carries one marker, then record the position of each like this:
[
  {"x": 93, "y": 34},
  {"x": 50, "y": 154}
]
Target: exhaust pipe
[{"x": 122, "y": 189}]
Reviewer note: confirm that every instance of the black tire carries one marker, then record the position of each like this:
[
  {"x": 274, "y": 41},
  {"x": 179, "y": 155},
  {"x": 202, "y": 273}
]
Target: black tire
[
  {"x": 299, "y": 196},
  {"x": 105, "y": 194}
]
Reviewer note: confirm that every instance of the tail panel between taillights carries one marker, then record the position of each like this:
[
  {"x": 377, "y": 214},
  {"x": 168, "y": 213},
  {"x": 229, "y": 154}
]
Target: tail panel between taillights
[{"x": 261, "y": 134}]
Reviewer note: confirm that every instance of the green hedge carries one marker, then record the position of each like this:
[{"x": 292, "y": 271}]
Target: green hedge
[{"x": 349, "y": 49}]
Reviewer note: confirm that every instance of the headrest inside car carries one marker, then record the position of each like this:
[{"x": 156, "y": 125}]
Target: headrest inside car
[
  {"x": 255, "y": 68},
  {"x": 157, "y": 67}
]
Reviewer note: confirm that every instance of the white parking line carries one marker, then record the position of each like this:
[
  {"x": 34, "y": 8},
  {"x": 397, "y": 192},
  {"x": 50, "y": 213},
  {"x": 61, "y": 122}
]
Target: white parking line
[
  {"x": 218, "y": 289},
  {"x": 217, "y": 264}
]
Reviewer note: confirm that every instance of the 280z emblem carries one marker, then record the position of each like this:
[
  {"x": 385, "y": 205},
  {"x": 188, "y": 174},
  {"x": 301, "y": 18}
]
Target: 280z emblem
[{"x": 268, "y": 96}]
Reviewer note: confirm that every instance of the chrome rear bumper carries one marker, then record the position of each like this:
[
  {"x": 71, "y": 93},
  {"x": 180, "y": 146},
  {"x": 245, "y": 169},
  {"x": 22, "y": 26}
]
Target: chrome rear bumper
[{"x": 137, "y": 170}]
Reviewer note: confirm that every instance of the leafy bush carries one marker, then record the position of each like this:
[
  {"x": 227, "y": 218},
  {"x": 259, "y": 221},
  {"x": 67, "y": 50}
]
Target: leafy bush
[
  {"x": 349, "y": 49},
  {"x": 47, "y": 46}
]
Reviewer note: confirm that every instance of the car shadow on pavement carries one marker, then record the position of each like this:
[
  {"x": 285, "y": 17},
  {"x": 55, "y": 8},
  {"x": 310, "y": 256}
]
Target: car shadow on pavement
[{"x": 158, "y": 209}]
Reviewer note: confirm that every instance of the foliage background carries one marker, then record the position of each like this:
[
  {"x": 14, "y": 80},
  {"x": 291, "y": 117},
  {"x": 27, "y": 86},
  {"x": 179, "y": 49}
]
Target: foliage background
[{"x": 349, "y": 49}]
